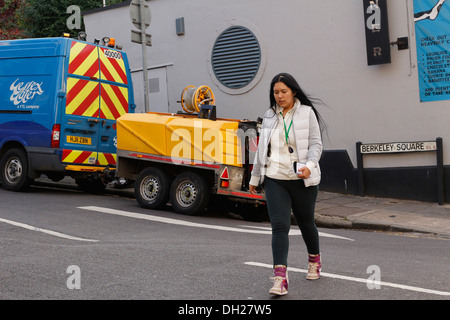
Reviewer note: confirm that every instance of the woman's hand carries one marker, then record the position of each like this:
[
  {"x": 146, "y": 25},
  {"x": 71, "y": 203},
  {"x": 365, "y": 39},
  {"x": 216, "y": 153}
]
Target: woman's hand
[
  {"x": 252, "y": 189},
  {"x": 304, "y": 173}
]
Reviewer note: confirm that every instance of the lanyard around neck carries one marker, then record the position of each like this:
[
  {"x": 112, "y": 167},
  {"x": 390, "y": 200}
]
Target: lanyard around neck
[{"x": 286, "y": 131}]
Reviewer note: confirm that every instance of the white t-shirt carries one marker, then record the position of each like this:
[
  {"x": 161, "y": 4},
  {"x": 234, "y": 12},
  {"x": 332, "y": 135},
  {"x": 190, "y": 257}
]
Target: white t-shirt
[{"x": 281, "y": 161}]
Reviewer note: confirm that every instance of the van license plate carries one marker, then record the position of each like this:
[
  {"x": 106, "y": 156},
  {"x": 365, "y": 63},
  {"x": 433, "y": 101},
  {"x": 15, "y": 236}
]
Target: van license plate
[{"x": 78, "y": 140}]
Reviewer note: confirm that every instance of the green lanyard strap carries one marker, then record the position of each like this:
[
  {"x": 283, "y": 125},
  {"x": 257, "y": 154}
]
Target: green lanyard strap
[{"x": 286, "y": 132}]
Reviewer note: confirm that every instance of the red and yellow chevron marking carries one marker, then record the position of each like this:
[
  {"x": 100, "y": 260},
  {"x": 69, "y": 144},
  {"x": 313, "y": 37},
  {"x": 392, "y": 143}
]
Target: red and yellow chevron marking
[
  {"x": 105, "y": 159},
  {"x": 82, "y": 97},
  {"x": 112, "y": 66},
  {"x": 114, "y": 101},
  {"x": 89, "y": 157},
  {"x": 80, "y": 157},
  {"x": 83, "y": 60}
]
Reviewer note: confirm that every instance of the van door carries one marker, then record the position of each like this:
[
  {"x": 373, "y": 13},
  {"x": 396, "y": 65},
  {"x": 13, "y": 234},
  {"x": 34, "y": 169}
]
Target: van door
[
  {"x": 97, "y": 94},
  {"x": 114, "y": 85},
  {"x": 80, "y": 122}
]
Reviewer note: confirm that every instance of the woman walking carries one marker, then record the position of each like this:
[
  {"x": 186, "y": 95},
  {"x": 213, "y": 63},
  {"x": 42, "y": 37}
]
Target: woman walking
[{"x": 287, "y": 166}]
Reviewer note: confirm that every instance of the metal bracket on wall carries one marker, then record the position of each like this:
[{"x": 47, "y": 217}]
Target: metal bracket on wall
[{"x": 401, "y": 43}]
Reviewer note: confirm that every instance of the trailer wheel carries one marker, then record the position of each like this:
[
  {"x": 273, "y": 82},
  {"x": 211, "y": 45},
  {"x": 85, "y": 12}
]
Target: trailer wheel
[
  {"x": 189, "y": 193},
  {"x": 151, "y": 188},
  {"x": 14, "y": 170}
]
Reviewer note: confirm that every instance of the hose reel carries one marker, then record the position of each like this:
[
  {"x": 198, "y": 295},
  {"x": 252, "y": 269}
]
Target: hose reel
[{"x": 192, "y": 98}]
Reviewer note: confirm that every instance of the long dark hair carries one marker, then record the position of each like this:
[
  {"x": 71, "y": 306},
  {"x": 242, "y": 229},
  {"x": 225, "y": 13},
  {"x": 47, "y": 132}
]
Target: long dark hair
[{"x": 290, "y": 81}]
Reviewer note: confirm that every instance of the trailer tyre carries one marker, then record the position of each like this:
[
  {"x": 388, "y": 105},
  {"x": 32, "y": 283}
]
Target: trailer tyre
[
  {"x": 151, "y": 188},
  {"x": 14, "y": 170},
  {"x": 189, "y": 193}
]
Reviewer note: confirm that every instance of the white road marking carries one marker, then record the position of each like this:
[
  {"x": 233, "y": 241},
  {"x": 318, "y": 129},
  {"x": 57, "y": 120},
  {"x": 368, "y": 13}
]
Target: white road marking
[
  {"x": 50, "y": 232},
  {"x": 337, "y": 276},
  {"x": 183, "y": 222},
  {"x": 296, "y": 232}
]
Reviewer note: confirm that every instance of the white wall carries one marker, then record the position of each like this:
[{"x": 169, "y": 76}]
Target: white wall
[{"x": 321, "y": 43}]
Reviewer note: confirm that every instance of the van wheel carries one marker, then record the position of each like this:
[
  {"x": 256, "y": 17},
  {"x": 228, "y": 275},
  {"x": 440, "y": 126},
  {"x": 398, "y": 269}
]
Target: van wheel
[
  {"x": 14, "y": 170},
  {"x": 189, "y": 193},
  {"x": 151, "y": 188}
]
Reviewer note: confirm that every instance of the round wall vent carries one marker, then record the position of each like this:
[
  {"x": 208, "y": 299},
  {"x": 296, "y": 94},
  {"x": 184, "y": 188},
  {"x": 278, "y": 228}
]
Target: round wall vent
[{"x": 236, "y": 57}]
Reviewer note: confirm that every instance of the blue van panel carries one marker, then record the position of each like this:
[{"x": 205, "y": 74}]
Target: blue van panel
[
  {"x": 34, "y": 85},
  {"x": 30, "y": 77},
  {"x": 26, "y": 132},
  {"x": 32, "y": 48}
]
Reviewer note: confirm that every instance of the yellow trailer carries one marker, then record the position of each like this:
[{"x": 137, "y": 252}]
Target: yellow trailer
[{"x": 192, "y": 160}]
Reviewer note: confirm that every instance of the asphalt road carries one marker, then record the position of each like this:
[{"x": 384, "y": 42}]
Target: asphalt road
[{"x": 65, "y": 244}]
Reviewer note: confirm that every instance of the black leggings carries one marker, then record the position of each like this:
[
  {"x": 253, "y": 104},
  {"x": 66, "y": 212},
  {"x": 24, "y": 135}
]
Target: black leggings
[{"x": 282, "y": 195}]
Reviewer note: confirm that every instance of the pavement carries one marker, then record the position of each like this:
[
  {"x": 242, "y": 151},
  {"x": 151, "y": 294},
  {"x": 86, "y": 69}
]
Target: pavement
[{"x": 335, "y": 210}]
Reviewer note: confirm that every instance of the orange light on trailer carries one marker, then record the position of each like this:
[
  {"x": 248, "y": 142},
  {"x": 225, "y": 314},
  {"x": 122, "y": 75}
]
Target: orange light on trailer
[
  {"x": 112, "y": 43},
  {"x": 56, "y": 133},
  {"x": 224, "y": 183}
]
